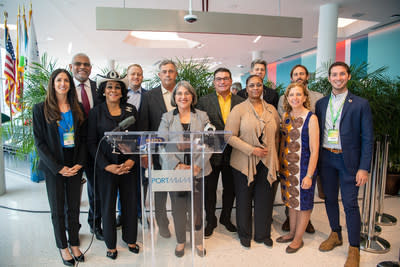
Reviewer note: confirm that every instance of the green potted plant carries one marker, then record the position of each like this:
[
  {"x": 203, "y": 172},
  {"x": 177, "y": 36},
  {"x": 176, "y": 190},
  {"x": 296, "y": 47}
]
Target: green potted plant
[
  {"x": 383, "y": 94},
  {"x": 19, "y": 131}
]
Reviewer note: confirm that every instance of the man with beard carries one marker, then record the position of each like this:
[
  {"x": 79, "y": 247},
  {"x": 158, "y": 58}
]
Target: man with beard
[{"x": 299, "y": 73}]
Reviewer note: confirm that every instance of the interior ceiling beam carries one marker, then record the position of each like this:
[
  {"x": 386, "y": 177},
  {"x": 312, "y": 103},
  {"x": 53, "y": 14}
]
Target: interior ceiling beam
[{"x": 140, "y": 19}]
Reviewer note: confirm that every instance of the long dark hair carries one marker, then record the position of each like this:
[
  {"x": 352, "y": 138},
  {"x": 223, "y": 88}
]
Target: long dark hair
[{"x": 51, "y": 109}]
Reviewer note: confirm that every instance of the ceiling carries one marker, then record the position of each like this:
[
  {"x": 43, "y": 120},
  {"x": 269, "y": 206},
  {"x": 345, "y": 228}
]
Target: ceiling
[{"x": 63, "y": 23}]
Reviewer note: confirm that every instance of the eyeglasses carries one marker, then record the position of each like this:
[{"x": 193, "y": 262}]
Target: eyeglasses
[
  {"x": 222, "y": 79},
  {"x": 252, "y": 85},
  {"x": 78, "y": 64}
]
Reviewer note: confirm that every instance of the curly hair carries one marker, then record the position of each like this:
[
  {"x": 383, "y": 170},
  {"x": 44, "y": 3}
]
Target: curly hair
[
  {"x": 286, "y": 105},
  {"x": 124, "y": 92}
]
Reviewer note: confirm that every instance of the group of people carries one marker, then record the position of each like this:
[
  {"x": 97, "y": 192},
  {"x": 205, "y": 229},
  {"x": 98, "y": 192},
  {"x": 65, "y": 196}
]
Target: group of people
[{"x": 330, "y": 137}]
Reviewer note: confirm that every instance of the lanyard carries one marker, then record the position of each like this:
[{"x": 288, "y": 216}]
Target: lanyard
[{"x": 334, "y": 118}]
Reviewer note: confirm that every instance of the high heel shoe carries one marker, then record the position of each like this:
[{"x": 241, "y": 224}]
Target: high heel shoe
[
  {"x": 80, "y": 258},
  {"x": 70, "y": 262},
  {"x": 201, "y": 251},
  {"x": 134, "y": 249},
  {"x": 179, "y": 253},
  {"x": 112, "y": 255}
]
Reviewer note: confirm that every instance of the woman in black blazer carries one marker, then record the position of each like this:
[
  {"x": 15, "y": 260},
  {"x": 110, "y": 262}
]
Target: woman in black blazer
[
  {"x": 114, "y": 171},
  {"x": 59, "y": 130}
]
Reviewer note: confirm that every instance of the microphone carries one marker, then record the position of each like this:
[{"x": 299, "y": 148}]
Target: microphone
[
  {"x": 125, "y": 124},
  {"x": 209, "y": 128}
]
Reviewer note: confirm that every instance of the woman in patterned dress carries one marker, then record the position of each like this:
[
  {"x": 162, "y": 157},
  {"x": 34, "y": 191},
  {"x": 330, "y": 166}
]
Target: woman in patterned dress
[{"x": 298, "y": 158}]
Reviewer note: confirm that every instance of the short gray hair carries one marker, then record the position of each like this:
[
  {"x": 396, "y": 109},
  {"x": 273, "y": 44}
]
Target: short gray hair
[
  {"x": 189, "y": 87},
  {"x": 166, "y": 62}
]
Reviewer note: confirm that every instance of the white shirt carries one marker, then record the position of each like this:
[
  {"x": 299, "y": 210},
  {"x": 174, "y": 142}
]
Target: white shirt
[
  {"x": 88, "y": 90},
  {"x": 167, "y": 98},
  {"x": 337, "y": 101}
]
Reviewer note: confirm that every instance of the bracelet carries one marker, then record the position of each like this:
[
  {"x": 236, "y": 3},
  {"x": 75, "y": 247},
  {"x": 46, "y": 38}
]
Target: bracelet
[{"x": 309, "y": 176}]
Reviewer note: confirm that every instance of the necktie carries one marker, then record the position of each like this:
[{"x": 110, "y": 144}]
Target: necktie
[{"x": 85, "y": 100}]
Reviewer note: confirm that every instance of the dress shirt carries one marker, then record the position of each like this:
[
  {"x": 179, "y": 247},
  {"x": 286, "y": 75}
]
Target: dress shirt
[
  {"x": 337, "y": 103},
  {"x": 134, "y": 97},
  {"x": 167, "y": 98},
  {"x": 225, "y": 105},
  {"x": 88, "y": 90}
]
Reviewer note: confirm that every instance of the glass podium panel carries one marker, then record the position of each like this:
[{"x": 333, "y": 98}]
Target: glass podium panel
[{"x": 173, "y": 167}]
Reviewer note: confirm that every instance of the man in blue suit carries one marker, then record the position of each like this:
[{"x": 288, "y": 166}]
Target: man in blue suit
[{"x": 346, "y": 139}]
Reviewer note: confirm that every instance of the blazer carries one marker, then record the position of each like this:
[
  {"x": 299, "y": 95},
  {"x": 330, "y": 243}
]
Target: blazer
[
  {"x": 100, "y": 121},
  {"x": 170, "y": 122},
  {"x": 93, "y": 87},
  {"x": 356, "y": 131},
  {"x": 48, "y": 144},
  {"x": 269, "y": 95},
  {"x": 151, "y": 110},
  {"x": 209, "y": 103}
]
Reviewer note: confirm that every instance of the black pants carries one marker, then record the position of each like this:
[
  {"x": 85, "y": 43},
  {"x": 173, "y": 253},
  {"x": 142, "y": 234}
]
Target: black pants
[
  {"x": 94, "y": 212},
  {"x": 228, "y": 195},
  {"x": 261, "y": 190},
  {"x": 64, "y": 200},
  {"x": 127, "y": 185}
]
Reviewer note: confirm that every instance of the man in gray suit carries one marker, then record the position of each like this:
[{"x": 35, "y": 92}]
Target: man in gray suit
[
  {"x": 155, "y": 103},
  {"x": 218, "y": 106}
]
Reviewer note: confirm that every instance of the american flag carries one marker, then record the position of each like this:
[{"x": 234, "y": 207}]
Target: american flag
[{"x": 9, "y": 68}]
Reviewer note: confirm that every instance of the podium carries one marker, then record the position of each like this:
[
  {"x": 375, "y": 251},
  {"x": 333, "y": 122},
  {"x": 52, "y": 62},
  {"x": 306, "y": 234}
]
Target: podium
[{"x": 175, "y": 198}]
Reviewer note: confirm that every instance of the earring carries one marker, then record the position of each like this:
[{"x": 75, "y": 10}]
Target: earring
[{"x": 104, "y": 94}]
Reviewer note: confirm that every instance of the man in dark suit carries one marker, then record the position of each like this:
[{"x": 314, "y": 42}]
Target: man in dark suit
[
  {"x": 346, "y": 139},
  {"x": 218, "y": 106},
  {"x": 86, "y": 91},
  {"x": 155, "y": 103},
  {"x": 258, "y": 67}
]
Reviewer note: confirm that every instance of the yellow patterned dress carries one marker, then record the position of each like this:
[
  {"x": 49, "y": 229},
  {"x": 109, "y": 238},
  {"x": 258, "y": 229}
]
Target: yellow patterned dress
[{"x": 294, "y": 156}]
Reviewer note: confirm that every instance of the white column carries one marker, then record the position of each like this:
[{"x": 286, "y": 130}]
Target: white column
[
  {"x": 327, "y": 35},
  {"x": 256, "y": 55}
]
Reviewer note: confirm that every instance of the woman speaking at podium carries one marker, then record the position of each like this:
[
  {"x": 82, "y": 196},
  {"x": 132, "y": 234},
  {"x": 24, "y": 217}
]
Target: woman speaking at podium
[
  {"x": 185, "y": 118},
  {"x": 114, "y": 171}
]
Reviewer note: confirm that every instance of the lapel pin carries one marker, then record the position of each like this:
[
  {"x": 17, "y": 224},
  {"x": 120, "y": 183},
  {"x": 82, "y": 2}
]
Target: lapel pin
[{"x": 350, "y": 100}]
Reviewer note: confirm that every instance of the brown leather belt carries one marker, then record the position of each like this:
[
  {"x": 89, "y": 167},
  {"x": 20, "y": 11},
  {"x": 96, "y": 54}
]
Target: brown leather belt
[{"x": 334, "y": 150}]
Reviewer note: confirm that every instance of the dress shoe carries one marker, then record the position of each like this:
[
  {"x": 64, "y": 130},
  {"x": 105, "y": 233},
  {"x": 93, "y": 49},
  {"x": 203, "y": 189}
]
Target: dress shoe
[
  {"x": 112, "y": 255},
  {"x": 332, "y": 242},
  {"x": 134, "y": 249},
  {"x": 291, "y": 250},
  {"x": 267, "y": 241},
  {"x": 229, "y": 226},
  {"x": 70, "y": 262},
  {"x": 282, "y": 239},
  {"x": 118, "y": 221},
  {"x": 208, "y": 231},
  {"x": 286, "y": 225},
  {"x": 164, "y": 231},
  {"x": 201, "y": 251},
  {"x": 179, "y": 253},
  {"x": 80, "y": 258},
  {"x": 245, "y": 242},
  {"x": 98, "y": 233},
  {"x": 310, "y": 228},
  {"x": 353, "y": 257}
]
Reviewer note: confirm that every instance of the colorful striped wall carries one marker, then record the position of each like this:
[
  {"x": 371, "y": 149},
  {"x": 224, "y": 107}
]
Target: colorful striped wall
[{"x": 379, "y": 48}]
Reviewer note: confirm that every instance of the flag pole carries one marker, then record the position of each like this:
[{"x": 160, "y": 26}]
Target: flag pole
[{"x": 2, "y": 172}]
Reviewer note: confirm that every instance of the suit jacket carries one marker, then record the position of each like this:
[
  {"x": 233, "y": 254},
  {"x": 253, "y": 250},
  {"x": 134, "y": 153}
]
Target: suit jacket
[
  {"x": 48, "y": 144},
  {"x": 356, "y": 131},
  {"x": 269, "y": 95},
  {"x": 151, "y": 110},
  {"x": 170, "y": 122},
  {"x": 93, "y": 87},
  {"x": 209, "y": 103}
]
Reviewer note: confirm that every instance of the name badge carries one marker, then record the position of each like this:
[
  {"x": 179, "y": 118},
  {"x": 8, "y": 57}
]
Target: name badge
[
  {"x": 333, "y": 136},
  {"x": 69, "y": 139}
]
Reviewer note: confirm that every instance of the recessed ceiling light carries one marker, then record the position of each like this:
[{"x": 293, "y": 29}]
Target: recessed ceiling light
[
  {"x": 345, "y": 22},
  {"x": 166, "y": 36},
  {"x": 240, "y": 66},
  {"x": 257, "y": 38},
  {"x": 49, "y": 38}
]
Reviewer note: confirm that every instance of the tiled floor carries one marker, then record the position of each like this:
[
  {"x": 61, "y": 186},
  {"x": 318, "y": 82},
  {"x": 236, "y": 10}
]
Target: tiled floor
[{"x": 26, "y": 238}]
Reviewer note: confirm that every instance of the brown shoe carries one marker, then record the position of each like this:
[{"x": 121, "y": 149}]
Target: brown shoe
[
  {"x": 332, "y": 242},
  {"x": 286, "y": 225},
  {"x": 310, "y": 228},
  {"x": 353, "y": 258}
]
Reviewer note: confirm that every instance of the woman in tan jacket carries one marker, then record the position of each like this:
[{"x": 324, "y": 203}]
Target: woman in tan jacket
[{"x": 255, "y": 135}]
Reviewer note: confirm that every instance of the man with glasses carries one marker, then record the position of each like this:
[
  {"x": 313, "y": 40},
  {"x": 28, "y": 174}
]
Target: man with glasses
[
  {"x": 259, "y": 68},
  {"x": 218, "y": 105},
  {"x": 86, "y": 91}
]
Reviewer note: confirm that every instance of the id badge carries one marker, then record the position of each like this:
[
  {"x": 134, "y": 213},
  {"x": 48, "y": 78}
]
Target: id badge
[
  {"x": 333, "y": 136},
  {"x": 69, "y": 139}
]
